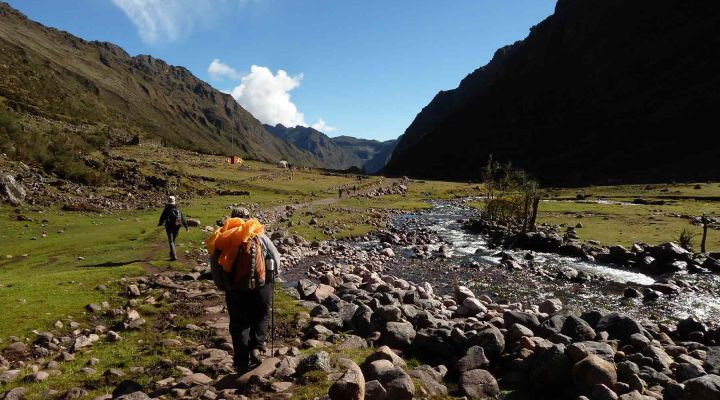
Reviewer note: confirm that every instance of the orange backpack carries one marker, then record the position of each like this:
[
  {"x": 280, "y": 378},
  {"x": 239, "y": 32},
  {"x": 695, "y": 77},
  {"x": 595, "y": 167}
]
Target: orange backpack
[{"x": 248, "y": 271}]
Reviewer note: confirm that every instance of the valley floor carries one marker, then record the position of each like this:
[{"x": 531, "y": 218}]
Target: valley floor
[{"x": 53, "y": 263}]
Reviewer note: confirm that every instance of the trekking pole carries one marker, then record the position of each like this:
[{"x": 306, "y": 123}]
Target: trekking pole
[
  {"x": 272, "y": 321},
  {"x": 272, "y": 308}
]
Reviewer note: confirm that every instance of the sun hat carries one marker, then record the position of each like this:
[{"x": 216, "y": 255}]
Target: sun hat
[{"x": 240, "y": 212}]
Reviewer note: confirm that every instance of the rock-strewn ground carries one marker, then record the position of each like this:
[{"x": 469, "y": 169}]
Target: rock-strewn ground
[{"x": 368, "y": 334}]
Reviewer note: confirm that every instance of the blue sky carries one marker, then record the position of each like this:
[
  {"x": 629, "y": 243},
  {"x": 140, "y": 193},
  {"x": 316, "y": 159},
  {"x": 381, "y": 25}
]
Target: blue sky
[{"x": 361, "y": 68}]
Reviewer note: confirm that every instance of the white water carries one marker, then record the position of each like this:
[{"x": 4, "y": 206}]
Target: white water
[{"x": 465, "y": 247}]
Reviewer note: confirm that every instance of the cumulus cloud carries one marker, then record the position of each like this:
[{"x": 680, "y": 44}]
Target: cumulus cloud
[
  {"x": 219, "y": 71},
  {"x": 168, "y": 20},
  {"x": 322, "y": 126},
  {"x": 266, "y": 95}
]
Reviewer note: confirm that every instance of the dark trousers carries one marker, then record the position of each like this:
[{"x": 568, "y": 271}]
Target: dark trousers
[
  {"x": 172, "y": 234},
  {"x": 249, "y": 312}
]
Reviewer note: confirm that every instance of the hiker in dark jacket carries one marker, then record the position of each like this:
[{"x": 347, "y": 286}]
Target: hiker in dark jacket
[
  {"x": 173, "y": 219},
  {"x": 249, "y": 310}
]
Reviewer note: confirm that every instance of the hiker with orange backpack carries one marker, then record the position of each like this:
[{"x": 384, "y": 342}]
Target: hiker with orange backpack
[
  {"x": 244, "y": 264},
  {"x": 173, "y": 219}
]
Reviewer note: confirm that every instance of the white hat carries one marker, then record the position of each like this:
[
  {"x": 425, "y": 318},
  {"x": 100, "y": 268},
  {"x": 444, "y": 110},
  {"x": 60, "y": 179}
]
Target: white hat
[{"x": 171, "y": 200}]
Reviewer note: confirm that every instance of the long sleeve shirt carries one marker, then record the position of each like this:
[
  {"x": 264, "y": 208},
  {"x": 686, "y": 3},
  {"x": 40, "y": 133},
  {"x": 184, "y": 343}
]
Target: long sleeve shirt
[{"x": 167, "y": 218}]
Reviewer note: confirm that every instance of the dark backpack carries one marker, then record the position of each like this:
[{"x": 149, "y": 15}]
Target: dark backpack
[
  {"x": 248, "y": 270},
  {"x": 175, "y": 218}
]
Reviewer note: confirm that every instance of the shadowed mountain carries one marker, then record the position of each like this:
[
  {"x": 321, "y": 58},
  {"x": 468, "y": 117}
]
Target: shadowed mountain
[
  {"x": 340, "y": 152},
  {"x": 54, "y": 75},
  {"x": 601, "y": 91}
]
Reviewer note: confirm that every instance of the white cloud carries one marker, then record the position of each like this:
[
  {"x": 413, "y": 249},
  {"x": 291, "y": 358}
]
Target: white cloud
[
  {"x": 323, "y": 127},
  {"x": 219, "y": 71},
  {"x": 267, "y": 96},
  {"x": 167, "y": 20}
]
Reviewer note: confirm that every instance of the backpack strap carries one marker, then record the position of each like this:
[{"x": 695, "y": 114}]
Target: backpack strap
[{"x": 253, "y": 263}]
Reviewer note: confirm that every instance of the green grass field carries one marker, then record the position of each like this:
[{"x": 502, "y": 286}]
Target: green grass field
[
  {"x": 50, "y": 266},
  {"x": 617, "y": 221}
]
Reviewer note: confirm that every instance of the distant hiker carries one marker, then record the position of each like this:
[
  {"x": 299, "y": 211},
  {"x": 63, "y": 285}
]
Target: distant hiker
[
  {"x": 244, "y": 265},
  {"x": 340, "y": 193},
  {"x": 173, "y": 219},
  {"x": 354, "y": 189}
]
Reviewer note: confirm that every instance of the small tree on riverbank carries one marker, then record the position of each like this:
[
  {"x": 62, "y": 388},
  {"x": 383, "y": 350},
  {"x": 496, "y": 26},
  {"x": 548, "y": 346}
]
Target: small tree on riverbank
[
  {"x": 686, "y": 239},
  {"x": 520, "y": 195}
]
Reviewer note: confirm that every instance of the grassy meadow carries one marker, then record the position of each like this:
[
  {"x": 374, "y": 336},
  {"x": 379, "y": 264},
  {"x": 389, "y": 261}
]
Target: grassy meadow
[{"x": 50, "y": 266}]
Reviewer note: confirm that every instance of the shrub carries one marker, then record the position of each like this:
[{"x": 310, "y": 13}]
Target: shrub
[
  {"x": 506, "y": 207},
  {"x": 56, "y": 151},
  {"x": 686, "y": 239}
]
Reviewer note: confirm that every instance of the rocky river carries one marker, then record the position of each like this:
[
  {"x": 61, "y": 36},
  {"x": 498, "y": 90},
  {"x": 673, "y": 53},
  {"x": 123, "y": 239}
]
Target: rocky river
[{"x": 432, "y": 246}]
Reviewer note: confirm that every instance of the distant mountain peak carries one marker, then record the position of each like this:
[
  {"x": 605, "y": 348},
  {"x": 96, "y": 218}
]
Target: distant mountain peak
[{"x": 340, "y": 152}]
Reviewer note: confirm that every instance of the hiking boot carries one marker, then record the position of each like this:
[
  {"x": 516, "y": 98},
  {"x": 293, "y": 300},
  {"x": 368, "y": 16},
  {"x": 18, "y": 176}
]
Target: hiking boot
[
  {"x": 256, "y": 356},
  {"x": 241, "y": 369}
]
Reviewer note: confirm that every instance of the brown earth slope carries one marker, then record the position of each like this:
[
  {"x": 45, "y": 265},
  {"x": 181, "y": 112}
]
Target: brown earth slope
[{"x": 51, "y": 73}]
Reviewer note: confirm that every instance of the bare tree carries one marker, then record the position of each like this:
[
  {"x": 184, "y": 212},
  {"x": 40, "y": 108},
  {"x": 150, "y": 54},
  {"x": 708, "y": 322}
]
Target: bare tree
[{"x": 705, "y": 222}]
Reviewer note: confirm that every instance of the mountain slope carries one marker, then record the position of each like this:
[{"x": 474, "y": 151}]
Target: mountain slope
[
  {"x": 54, "y": 74},
  {"x": 340, "y": 152},
  {"x": 600, "y": 91}
]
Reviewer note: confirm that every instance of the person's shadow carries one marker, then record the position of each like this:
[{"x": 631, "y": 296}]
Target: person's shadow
[{"x": 110, "y": 264}]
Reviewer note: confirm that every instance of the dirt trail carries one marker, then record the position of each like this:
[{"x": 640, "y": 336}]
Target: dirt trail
[
  {"x": 208, "y": 306},
  {"x": 270, "y": 216}
]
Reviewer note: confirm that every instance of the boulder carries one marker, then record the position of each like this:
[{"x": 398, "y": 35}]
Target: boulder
[
  {"x": 712, "y": 360},
  {"x": 15, "y": 394},
  {"x": 661, "y": 360},
  {"x": 126, "y": 387},
  {"x": 374, "y": 390},
  {"x": 593, "y": 370},
  {"x": 399, "y": 335},
  {"x": 491, "y": 340},
  {"x": 322, "y": 292},
  {"x": 134, "y": 396},
  {"x": 602, "y": 392},
  {"x": 386, "y": 353},
  {"x": 687, "y": 371},
  {"x": 351, "y": 385},
  {"x": 518, "y": 331},
  {"x": 705, "y": 387},
  {"x": 550, "y": 306},
  {"x": 319, "y": 361},
  {"x": 374, "y": 369},
  {"x": 550, "y": 366},
  {"x": 580, "y": 350},
  {"x": 474, "y": 358},
  {"x": 689, "y": 325},
  {"x": 362, "y": 320},
  {"x": 397, "y": 384},
  {"x": 620, "y": 327},
  {"x": 462, "y": 293},
  {"x": 430, "y": 380},
  {"x": 389, "y": 313},
  {"x": 9, "y": 376},
  {"x": 474, "y": 306},
  {"x": 306, "y": 288},
  {"x": 478, "y": 384},
  {"x": 196, "y": 379},
  {"x": 12, "y": 190},
  {"x": 578, "y": 329},
  {"x": 519, "y": 317}
]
